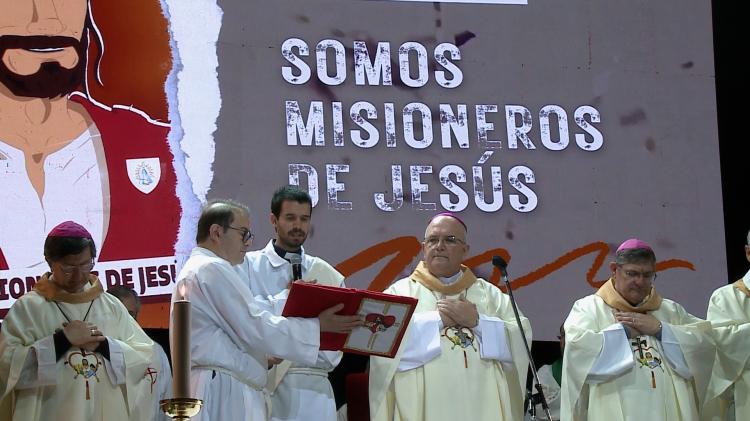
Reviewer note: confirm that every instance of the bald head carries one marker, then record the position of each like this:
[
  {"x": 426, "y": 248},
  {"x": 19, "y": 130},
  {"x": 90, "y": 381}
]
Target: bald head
[
  {"x": 444, "y": 245},
  {"x": 442, "y": 220}
]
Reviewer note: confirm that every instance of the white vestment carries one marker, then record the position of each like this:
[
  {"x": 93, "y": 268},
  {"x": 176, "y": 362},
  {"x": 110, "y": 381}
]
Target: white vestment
[
  {"x": 729, "y": 392},
  {"x": 551, "y": 390},
  {"x": 231, "y": 335},
  {"x": 476, "y": 374},
  {"x": 298, "y": 391},
  {"x": 608, "y": 376},
  {"x": 163, "y": 386},
  {"x": 81, "y": 386}
]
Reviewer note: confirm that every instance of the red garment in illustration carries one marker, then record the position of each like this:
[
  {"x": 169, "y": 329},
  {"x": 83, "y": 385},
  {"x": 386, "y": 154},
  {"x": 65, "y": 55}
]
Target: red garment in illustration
[{"x": 141, "y": 224}]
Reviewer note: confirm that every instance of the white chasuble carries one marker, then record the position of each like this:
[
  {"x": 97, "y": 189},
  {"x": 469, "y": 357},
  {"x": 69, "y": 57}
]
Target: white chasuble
[
  {"x": 729, "y": 391},
  {"x": 453, "y": 373},
  {"x": 80, "y": 385},
  {"x": 607, "y": 376}
]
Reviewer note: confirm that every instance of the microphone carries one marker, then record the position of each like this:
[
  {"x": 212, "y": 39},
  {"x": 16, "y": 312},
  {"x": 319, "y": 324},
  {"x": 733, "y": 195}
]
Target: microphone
[
  {"x": 296, "y": 261},
  {"x": 502, "y": 265}
]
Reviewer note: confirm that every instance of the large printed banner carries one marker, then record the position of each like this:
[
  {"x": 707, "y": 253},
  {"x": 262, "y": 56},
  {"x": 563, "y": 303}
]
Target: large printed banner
[{"x": 556, "y": 130}]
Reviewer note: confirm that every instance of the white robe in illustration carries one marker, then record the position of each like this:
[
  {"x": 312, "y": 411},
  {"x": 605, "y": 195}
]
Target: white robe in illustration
[
  {"x": 298, "y": 391},
  {"x": 231, "y": 335}
]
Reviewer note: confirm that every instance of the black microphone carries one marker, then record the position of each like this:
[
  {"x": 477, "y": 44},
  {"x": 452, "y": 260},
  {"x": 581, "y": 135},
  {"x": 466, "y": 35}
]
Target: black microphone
[
  {"x": 502, "y": 265},
  {"x": 296, "y": 261}
]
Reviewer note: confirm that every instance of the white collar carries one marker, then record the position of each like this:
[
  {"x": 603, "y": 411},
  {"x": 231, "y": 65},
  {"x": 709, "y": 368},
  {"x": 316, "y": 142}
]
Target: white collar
[
  {"x": 450, "y": 279},
  {"x": 276, "y": 260}
]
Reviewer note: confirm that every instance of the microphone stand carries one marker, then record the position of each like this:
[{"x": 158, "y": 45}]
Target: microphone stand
[{"x": 537, "y": 384}]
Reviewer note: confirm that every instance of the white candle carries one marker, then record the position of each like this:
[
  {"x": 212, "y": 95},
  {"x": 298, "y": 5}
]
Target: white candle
[{"x": 181, "y": 346}]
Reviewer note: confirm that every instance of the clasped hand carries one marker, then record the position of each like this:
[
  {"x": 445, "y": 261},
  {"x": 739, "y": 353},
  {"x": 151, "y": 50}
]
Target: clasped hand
[
  {"x": 460, "y": 312},
  {"x": 637, "y": 323},
  {"x": 84, "y": 335}
]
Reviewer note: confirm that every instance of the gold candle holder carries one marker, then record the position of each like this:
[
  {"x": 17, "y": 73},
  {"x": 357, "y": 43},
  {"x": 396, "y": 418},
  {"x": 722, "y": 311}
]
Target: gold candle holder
[{"x": 181, "y": 408}]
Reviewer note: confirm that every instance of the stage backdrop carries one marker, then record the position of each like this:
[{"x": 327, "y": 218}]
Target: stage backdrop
[{"x": 556, "y": 130}]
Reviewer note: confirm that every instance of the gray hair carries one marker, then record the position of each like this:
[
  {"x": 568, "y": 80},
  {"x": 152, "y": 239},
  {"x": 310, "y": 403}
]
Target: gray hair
[
  {"x": 634, "y": 256},
  {"x": 122, "y": 292}
]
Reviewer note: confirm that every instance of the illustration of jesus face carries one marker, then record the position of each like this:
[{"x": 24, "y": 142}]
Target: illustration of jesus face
[{"x": 43, "y": 46}]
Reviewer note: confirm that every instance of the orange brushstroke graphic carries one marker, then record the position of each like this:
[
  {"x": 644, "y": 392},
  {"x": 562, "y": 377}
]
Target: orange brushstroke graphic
[{"x": 405, "y": 249}]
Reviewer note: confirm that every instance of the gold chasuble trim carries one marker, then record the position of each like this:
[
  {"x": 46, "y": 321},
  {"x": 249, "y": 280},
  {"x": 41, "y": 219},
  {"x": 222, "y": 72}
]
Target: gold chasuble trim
[
  {"x": 424, "y": 277},
  {"x": 52, "y": 292},
  {"x": 613, "y": 299},
  {"x": 740, "y": 285}
]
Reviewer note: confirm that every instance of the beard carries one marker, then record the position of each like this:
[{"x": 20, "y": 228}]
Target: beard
[
  {"x": 293, "y": 239},
  {"x": 51, "y": 80}
]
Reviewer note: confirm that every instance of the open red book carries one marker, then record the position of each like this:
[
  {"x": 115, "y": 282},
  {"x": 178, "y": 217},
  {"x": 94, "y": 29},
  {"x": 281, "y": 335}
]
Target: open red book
[{"x": 386, "y": 317}]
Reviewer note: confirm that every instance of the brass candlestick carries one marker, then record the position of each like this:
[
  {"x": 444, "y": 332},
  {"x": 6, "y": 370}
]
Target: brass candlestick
[{"x": 181, "y": 408}]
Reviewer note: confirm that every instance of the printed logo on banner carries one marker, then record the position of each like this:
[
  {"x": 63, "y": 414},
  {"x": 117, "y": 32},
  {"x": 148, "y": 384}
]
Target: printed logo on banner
[{"x": 144, "y": 173}]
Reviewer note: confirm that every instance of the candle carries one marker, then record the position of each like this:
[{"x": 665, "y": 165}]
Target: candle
[{"x": 181, "y": 346}]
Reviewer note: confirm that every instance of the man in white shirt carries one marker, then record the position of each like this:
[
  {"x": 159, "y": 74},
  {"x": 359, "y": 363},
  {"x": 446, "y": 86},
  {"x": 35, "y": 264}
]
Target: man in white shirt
[
  {"x": 298, "y": 391},
  {"x": 462, "y": 356},
  {"x": 631, "y": 354},
  {"x": 231, "y": 333}
]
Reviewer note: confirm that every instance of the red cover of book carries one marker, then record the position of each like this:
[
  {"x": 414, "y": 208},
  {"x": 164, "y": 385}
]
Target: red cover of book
[{"x": 386, "y": 317}]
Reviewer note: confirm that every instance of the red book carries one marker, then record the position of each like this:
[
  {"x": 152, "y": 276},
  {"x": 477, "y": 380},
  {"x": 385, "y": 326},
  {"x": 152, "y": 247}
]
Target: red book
[{"x": 386, "y": 317}]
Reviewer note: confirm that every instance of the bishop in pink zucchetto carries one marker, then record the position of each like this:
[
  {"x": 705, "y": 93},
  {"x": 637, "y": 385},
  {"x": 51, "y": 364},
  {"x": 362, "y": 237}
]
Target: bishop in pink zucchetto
[
  {"x": 648, "y": 351},
  {"x": 633, "y": 243},
  {"x": 69, "y": 229}
]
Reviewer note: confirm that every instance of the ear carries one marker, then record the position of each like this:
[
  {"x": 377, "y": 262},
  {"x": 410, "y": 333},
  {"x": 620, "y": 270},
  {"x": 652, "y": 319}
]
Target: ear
[
  {"x": 215, "y": 232},
  {"x": 612, "y": 266},
  {"x": 272, "y": 218},
  {"x": 747, "y": 253}
]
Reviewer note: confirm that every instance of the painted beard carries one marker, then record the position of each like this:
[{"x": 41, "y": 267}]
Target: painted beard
[{"x": 51, "y": 80}]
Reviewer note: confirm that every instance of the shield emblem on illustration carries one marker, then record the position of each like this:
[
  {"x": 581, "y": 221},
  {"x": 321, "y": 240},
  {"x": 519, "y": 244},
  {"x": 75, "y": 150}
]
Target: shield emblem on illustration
[{"x": 144, "y": 173}]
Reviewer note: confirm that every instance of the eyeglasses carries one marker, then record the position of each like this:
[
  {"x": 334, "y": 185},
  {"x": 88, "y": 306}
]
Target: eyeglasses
[
  {"x": 634, "y": 274},
  {"x": 247, "y": 235},
  {"x": 448, "y": 240},
  {"x": 69, "y": 269}
]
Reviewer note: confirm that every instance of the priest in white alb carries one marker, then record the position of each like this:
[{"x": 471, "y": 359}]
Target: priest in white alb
[
  {"x": 462, "y": 357},
  {"x": 631, "y": 354},
  {"x": 298, "y": 391},
  {"x": 232, "y": 334}
]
